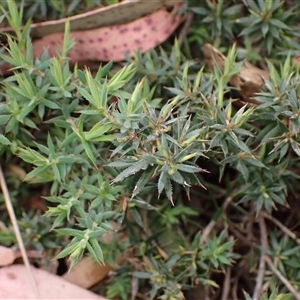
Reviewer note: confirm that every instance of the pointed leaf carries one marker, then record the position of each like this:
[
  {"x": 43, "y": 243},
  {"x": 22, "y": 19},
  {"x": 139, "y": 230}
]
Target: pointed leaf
[{"x": 133, "y": 169}]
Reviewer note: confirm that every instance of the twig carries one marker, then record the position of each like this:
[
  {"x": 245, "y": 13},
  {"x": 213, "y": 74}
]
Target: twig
[
  {"x": 262, "y": 265},
  {"x": 282, "y": 278},
  {"x": 141, "y": 296},
  {"x": 185, "y": 28},
  {"x": 14, "y": 222},
  {"x": 206, "y": 289},
  {"x": 241, "y": 237},
  {"x": 210, "y": 226},
  {"x": 235, "y": 286},
  {"x": 282, "y": 227},
  {"x": 226, "y": 285}
]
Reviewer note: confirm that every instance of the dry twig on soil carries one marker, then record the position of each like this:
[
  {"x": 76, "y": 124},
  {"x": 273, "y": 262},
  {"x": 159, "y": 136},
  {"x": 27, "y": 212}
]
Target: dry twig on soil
[
  {"x": 185, "y": 28},
  {"x": 226, "y": 285},
  {"x": 262, "y": 267},
  {"x": 210, "y": 226},
  {"x": 282, "y": 278},
  {"x": 282, "y": 227},
  {"x": 14, "y": 222}
]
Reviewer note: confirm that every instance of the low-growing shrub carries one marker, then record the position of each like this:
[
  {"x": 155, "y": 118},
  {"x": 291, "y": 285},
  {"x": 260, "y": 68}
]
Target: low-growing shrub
[{"x": 203, "y": 189}]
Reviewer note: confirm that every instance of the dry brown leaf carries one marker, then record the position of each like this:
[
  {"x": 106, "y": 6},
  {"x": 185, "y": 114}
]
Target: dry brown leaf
[
  {"x": 37, "y": 203},
  {"x": 248, "y": 81},
  {"x": 3, "y": 227},
  {"x": 18, "y": 171},
  {"x": 14, "y": 284},
  {"x": 7, "y": 256},
  {"x": 87, "y": 272}
]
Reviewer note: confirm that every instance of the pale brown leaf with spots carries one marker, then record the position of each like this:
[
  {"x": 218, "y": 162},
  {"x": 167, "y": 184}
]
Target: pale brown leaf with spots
[
  {"x": 15, "y": 284},
  {"x": 115, "y": 14},
  {"x": 113, "y": 43}
]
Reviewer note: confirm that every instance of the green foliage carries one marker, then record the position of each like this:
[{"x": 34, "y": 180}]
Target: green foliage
[
  {"x": 129, "y": 147},
  {"x": 120, "y": 288},
  {"x": 274, "y": 296},
  {"x": 268, "y": 21},
  {"x": 221, "y": 15}
]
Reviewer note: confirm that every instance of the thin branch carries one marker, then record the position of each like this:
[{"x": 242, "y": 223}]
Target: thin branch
[
  {"x": 185, "y": 28},
  {"x": 282, "y": 278},
  {"x": 206, "y": 289},
  {"x": 262, "y": 265},
  {"x": 210, "y": 226},
  {"x": 241, "y": 236},
  {"x": 141, "y": 296},
  {"x": 239, "y": 275},
  {"x": 226, "y": 285},
  {"x": 14, "y": 222},
  {"x": 282, "y": 227},
  {"x": 234, "y": 289}
]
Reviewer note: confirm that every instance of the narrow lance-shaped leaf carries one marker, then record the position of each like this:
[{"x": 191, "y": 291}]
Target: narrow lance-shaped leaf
[
  {"x": 189, "y": 169},
  {"x": 135, "y": 99},
  {"x": 89, "y": 152},
  {"x": 144, "y": 179},
  {"x": 76, "y": 255},
  {"x": 67, "y": 251},
  {"x": 37, "y": 171},
  {"x": 167, "y": 108},
  {"x": 178, "y": 178},
  {"x": 63, "y": 215},
  {"x": 97, "y": 131},
  {"x": 4, "y": 140},
  {"x": 168, "y": 189},
  {"x": 93, "y": 85},
  {"x": 295, "y": 147},
  {"x": 67, "y": 44},
  {"x": 238, "y": 142},
  {"x": 136, "y": 167},
  {"x": 162, "y": 182},
  {"x": 120, "y": 164},
  {"x": 103, "y": 70},
  {"x": 70, "y": 231},
  {"x": 137, "y": 217},
  {"x": 103, "y": 95},
  {"x": 98, "y": 251}
]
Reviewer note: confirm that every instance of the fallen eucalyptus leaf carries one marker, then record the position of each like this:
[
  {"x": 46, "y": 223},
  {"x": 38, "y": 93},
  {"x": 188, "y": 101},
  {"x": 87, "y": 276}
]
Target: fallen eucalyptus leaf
[
  {"x": 112, "y": 43},
  {"x": 14, "y": 284},
  {"x": 116, "y": 14}
]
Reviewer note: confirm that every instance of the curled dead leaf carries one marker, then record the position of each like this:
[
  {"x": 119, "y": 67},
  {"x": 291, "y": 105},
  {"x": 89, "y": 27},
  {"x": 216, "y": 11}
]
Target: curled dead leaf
[{"x": 248, "y": 81}]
